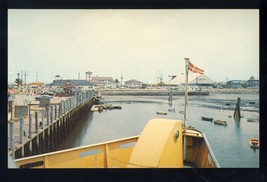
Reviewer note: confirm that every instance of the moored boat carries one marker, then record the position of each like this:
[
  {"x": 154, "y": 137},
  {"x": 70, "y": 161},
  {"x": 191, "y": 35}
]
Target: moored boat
[
  {"x": 254, "y": 142},
  {"x": 251, "y": 120},
  {"x": 206, "y": 118},
  {"x": 220, "y": 122},
  {"x": 161, "y": 113}
]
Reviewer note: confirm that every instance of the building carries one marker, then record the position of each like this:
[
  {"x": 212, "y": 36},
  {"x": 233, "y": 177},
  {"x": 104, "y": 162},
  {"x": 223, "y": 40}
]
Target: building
[
  {"x": 236, "y": 84},
  {"x": 195, "y": 81},
  {"x": 69, "y": 86},
  {"x": 103, "y": 82},
  {"x": 251, "y": 83},
  {"x": 133, "y": 84}
]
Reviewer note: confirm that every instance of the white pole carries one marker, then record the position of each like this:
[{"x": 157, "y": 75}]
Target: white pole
[
  {"x": 185, "y": 104},
  {"x": 186, "y": 93}
]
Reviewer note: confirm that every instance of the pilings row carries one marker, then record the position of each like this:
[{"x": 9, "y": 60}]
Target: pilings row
[{"x": 45, "y": 134}]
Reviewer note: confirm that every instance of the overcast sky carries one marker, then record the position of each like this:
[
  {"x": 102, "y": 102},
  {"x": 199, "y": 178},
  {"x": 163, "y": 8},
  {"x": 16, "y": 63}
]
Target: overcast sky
[{"x": 139, "y": 44}]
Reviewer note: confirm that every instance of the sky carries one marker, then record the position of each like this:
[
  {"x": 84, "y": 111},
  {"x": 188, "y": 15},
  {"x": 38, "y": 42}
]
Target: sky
[{"x": 145, "y": 45}]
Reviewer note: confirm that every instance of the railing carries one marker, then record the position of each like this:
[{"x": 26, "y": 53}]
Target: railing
[{"x": 211, "y": 155}]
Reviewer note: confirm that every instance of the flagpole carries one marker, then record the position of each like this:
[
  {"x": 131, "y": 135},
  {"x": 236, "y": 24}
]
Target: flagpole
[
  {"x": 185, "y": 104},
  {"x": 186, "y": 93}
]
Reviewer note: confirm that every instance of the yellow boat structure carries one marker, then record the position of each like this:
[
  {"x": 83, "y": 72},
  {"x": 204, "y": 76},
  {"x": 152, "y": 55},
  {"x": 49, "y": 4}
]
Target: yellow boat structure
[{"x": 162, "y": 144}]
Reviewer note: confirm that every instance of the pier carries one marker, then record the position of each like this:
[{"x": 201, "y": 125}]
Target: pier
[{"x": 46, "y": 126}]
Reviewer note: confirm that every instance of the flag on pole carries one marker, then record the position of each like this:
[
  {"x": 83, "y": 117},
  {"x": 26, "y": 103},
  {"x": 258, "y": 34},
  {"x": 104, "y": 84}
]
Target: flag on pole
[{"x": 194, "y": 69}]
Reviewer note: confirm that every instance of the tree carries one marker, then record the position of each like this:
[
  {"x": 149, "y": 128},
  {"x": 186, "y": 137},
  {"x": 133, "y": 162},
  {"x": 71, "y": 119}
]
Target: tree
[{"x": 18, "y": 81}]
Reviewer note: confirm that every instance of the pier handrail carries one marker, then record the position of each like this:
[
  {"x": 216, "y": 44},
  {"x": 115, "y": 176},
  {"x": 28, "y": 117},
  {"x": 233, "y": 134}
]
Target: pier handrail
[{"x": 216, "y": 163}]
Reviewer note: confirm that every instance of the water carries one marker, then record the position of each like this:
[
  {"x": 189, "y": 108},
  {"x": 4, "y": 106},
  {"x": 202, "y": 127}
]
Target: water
[{"x": 230, "y": 143}]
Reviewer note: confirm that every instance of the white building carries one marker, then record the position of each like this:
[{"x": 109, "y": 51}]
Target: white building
[
  {"x": 195, "y": 81},
  {"x": 103, "y": 82},
  {"x": 133, "y": 84}
]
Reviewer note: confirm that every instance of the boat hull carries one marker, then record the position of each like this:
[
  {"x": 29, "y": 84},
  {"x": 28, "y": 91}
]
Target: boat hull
[{"x": 218, "y": 122}]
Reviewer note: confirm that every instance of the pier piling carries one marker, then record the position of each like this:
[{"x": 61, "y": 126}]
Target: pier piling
[{"x": 237, "y": 114}]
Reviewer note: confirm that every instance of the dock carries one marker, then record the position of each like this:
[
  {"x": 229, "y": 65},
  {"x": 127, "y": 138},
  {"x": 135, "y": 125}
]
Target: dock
[{"x": 45, "y": 127}]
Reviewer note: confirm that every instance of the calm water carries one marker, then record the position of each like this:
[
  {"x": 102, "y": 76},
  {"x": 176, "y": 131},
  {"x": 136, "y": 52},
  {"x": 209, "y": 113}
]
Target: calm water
[{"x": 230, "y": 144}]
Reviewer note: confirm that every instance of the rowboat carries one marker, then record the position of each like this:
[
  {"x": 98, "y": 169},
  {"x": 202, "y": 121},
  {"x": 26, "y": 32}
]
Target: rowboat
[
  {"x": 254, "y": 142},
  {"x": 251, "y": 120},
  {"x": 206, "y": 118},
  {"x": 219, "y": 122},
  {"x": 161, "y": 113}
]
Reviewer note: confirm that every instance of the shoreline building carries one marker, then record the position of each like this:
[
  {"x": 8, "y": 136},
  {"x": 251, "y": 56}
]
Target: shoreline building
[
  {"x": 69, "y": 86},
  {"x": 103, "y": 82},
  {"x": 133, "y": 84},
  {"x": 195, "y": 82}
]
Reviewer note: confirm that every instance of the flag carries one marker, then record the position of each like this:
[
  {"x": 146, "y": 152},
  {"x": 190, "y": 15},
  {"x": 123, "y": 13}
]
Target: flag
[{"x": 194, "y": 69}]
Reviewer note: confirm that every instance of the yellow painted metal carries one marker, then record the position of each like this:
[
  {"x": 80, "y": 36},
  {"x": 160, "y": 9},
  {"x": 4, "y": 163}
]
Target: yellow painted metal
[
  {"x": 110, "y": 154},
  {"x": 157, "y": 145}
]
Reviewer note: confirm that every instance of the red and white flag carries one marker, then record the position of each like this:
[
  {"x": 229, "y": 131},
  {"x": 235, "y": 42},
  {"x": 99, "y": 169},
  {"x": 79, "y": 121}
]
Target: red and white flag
[{"x": 194, "y": 69}]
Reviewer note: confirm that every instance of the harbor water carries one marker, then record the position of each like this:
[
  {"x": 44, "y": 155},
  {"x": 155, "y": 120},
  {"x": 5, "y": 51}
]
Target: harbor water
[{"x": 230, "y": 144}]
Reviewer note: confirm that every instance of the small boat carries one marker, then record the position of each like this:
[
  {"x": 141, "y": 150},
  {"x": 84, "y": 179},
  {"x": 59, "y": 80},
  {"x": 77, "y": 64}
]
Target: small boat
[
  {"x": 171, "y": 110},
  {"x": 251, "y": 102},
  {"x": 161, "y": 113},
  {"x": 206, "y": 118},
  {"x": 220, "y": 122},
  {"x": 254, "y": 142},
  {"x": 181, "y": 112},
  {"x": 251, "y": 120}
]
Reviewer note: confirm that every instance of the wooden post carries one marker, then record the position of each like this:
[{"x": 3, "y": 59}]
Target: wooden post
[
  {"x": 51, "y": 114},
  {"x": 56, "y": 111},
  {"x": 43, "y": 113},
  {"x": 65, "y": 107},
  {"x": 47, "y": 116},
  {"x": 36, "y": 122},
  {"x": 43, "y": 133},
  {"x": 11, "y": 137},
  {"x": 237, "y": 114},
  {"x": 21, "y": 133},
  {"x": 60, "y": 109},
  {"x": 30, "y": 126}
]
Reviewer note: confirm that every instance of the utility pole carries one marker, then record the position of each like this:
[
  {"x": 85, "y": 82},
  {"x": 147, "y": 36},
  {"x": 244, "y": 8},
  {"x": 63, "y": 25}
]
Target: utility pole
[
  {"x": 25, "y": 79},
  {"x": 21, "y": 76},
  {"x": 18, "y": 80}
]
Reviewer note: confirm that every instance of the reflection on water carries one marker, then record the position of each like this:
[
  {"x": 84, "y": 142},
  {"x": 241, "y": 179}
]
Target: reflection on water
[{"x": 230, "y": 143}]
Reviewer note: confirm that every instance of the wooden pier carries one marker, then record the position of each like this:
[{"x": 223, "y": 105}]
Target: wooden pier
[{"x": 45, "y": 128}]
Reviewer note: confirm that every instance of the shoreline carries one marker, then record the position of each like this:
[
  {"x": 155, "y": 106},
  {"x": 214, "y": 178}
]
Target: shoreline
[{"x": 166, "y": 92}]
